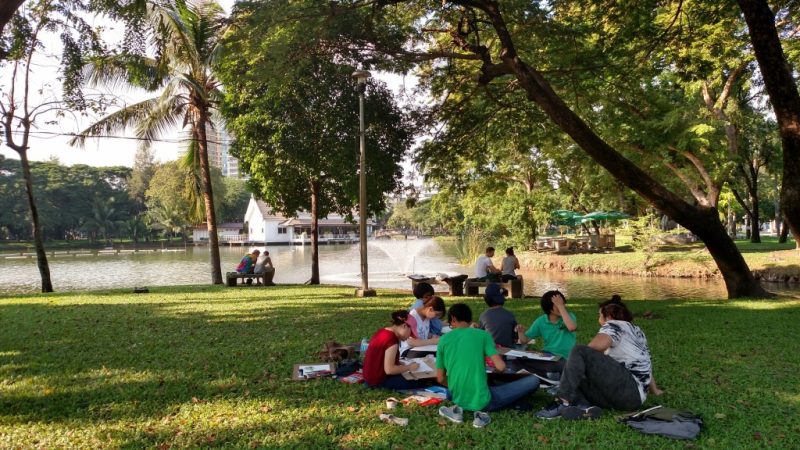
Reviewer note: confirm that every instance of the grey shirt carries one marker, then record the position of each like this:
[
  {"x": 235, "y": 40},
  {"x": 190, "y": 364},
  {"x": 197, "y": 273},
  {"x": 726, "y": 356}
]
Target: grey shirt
[
  {"x": 509, "y": 264},
  {"x": 500, "y": 323}
]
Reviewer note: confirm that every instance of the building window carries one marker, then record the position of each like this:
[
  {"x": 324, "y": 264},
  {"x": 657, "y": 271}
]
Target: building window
[{"x": 281, "y": 230}]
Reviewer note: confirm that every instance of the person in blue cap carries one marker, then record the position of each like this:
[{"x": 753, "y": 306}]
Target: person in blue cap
[{"x": 498, "y": 321}]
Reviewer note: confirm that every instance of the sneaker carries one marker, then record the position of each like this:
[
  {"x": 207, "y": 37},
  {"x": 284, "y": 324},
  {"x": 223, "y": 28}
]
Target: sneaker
[
  {"x": 454, "y": 414},
  {"x": 551, "y": 411},
  {"x": 389, "y": 418},
  {"x": 581, "y": 412},
  {"x": 481, "y": 419},
  {"x": 554, "y": 377}
]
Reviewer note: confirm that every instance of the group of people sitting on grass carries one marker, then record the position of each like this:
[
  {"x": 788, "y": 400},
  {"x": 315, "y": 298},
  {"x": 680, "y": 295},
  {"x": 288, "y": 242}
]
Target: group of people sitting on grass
[{"x": 612, "y": 371}]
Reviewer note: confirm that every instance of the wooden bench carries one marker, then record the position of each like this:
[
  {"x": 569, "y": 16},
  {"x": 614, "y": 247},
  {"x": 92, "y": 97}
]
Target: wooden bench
[
  {"x": 515, "y": 287},
  {"x": 455, "y": 284},
  {"x": 264, "y": 278}
]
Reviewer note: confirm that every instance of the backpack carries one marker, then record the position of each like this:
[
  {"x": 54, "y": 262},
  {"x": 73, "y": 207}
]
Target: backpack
[
  {"x": 347, "y": 367},
  {"x": 668, "y": 422}
]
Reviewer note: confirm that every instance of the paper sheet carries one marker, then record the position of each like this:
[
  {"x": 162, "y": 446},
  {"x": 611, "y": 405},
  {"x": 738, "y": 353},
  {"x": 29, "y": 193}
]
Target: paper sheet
[
  {"x": 529, "y": 355},
  {"x": 424, "y": 348},
  {"x": 423, "y": 364}
]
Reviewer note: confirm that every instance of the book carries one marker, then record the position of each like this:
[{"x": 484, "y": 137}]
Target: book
[
  {"x": 314, "y": 370},
  {"x": 530, "y": 355},
  {"x": 353, "y": 378}
]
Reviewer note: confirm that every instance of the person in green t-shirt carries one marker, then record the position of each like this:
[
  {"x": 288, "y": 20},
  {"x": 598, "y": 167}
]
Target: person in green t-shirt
[
  {"x": 461, "y": 366},
  {"x": 556, "y": 326}
]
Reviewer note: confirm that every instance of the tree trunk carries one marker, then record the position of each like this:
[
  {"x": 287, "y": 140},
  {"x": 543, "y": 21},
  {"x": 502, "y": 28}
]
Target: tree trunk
[
  {"x": 734, "y": 270},
  {"x": 208, "y": 196},
  {"x": 731, "y": 222},
  {"x": 7, "y": 10},
  {"x": 41, "y": 255},
  {"x": 755, "y": 219},
  {"x": 314, "y": 233},
  {"x": 785, "y": 100},
  {"x": 747, "y": 226},
  {"x": 784, "y": 235}
]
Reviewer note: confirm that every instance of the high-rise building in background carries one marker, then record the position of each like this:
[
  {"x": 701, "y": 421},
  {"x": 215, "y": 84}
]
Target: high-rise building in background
[{"x": 219, "y": 155}]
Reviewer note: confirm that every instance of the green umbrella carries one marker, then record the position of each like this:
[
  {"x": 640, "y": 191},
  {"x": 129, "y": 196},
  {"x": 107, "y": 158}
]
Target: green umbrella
[
  {"x": 566, "y": 217},
  {"x": 603, "y": 216}
]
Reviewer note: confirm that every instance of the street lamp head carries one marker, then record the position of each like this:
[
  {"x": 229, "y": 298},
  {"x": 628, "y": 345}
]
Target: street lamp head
[{"x": 361, "y": 76}]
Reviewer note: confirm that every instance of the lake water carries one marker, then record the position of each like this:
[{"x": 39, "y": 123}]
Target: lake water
[{"x": 389, "y": 263}]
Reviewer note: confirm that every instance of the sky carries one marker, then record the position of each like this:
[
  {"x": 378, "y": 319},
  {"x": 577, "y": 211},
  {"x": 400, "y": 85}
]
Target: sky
[{"x": 48, "y": 140}]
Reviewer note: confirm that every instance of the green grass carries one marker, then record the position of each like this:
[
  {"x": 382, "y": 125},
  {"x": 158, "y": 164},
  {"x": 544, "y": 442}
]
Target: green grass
[{"x": 208, "y": 367}]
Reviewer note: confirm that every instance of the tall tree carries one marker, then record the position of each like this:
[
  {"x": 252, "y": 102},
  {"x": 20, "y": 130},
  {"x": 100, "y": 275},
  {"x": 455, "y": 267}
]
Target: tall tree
[
  {"x": 20, "y": 109},
  {"x": 144, "y": 167},
  {"x": 297, "y": 135},
  {"x": 782, "y": 88},
  {"x": 169, "y": 199},
  {"x": 759, "y": 147},
  {"x": 186, "y": 37}
]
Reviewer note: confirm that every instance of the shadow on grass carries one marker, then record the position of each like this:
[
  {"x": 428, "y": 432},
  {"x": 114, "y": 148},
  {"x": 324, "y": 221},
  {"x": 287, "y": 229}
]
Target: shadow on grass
[{"x": 199, "y": 373}]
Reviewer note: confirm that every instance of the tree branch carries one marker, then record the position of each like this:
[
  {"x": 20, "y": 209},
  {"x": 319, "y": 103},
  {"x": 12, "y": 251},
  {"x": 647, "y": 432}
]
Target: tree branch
[
  {"x": 712, "y": 187},
  {"x": 741, "y": 202}
]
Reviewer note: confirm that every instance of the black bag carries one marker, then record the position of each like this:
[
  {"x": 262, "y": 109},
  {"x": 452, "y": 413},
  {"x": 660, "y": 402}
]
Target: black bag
[
  {"x": 347, "y": 367},
  {"x": 668, "y": 422}
]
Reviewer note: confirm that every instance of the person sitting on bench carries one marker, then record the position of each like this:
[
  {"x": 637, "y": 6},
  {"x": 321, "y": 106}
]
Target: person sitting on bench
[
  {"x": 484, "y": 267},
  {"x": 248, "y": 263},
  {"x": 264, "y": 264},
  {"x": 509, "y": 266}
]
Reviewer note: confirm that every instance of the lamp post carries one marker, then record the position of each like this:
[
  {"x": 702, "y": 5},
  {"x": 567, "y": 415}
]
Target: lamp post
[{"x": 361, "y": 76}]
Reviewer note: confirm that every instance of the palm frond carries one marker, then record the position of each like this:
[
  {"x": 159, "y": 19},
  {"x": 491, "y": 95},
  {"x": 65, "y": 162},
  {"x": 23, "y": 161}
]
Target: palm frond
[
  {"x": 122, "y": 71},
  {"x": 192, "y": 84},
  {"x": 190, "y": 162},
  {"x": 116, "y": 122},
  {"x": 166, "y": 114},
  {"x": 178, "y": 36}
]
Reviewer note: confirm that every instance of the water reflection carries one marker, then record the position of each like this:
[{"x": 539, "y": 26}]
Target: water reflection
[{"x": 389, "y": 262}]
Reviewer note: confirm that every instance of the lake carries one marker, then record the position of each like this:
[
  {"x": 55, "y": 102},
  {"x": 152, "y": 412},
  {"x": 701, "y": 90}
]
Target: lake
[{"x": 389, "y": 263}]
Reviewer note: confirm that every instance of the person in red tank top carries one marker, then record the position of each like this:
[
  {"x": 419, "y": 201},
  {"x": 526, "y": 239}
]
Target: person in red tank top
[{"x": 382, "y": 367}]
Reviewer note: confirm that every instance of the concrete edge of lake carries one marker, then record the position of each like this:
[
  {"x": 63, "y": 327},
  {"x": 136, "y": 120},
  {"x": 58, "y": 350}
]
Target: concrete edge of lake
[{"x": 777, "y": 266}]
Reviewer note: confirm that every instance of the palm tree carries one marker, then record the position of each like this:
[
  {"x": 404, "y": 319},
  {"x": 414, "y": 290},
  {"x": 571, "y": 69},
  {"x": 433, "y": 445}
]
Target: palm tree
[
  {"x": 187, "y": 38},
  {"x": 135, "y": 228},
  {"x": 101, "y": 222}
]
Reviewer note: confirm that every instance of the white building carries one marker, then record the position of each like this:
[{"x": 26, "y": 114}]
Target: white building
[
  {"x": 265, "y": 226},
  {"x": 227, "y": 233}
]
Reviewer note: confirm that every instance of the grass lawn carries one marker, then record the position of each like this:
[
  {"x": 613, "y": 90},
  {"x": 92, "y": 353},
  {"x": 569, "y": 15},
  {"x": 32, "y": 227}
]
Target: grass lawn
[{"x": 189, "y": 367}]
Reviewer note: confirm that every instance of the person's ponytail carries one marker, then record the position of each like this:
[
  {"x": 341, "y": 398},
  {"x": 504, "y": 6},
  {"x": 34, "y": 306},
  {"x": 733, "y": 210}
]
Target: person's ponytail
[{"x": 399, "y": 317}]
